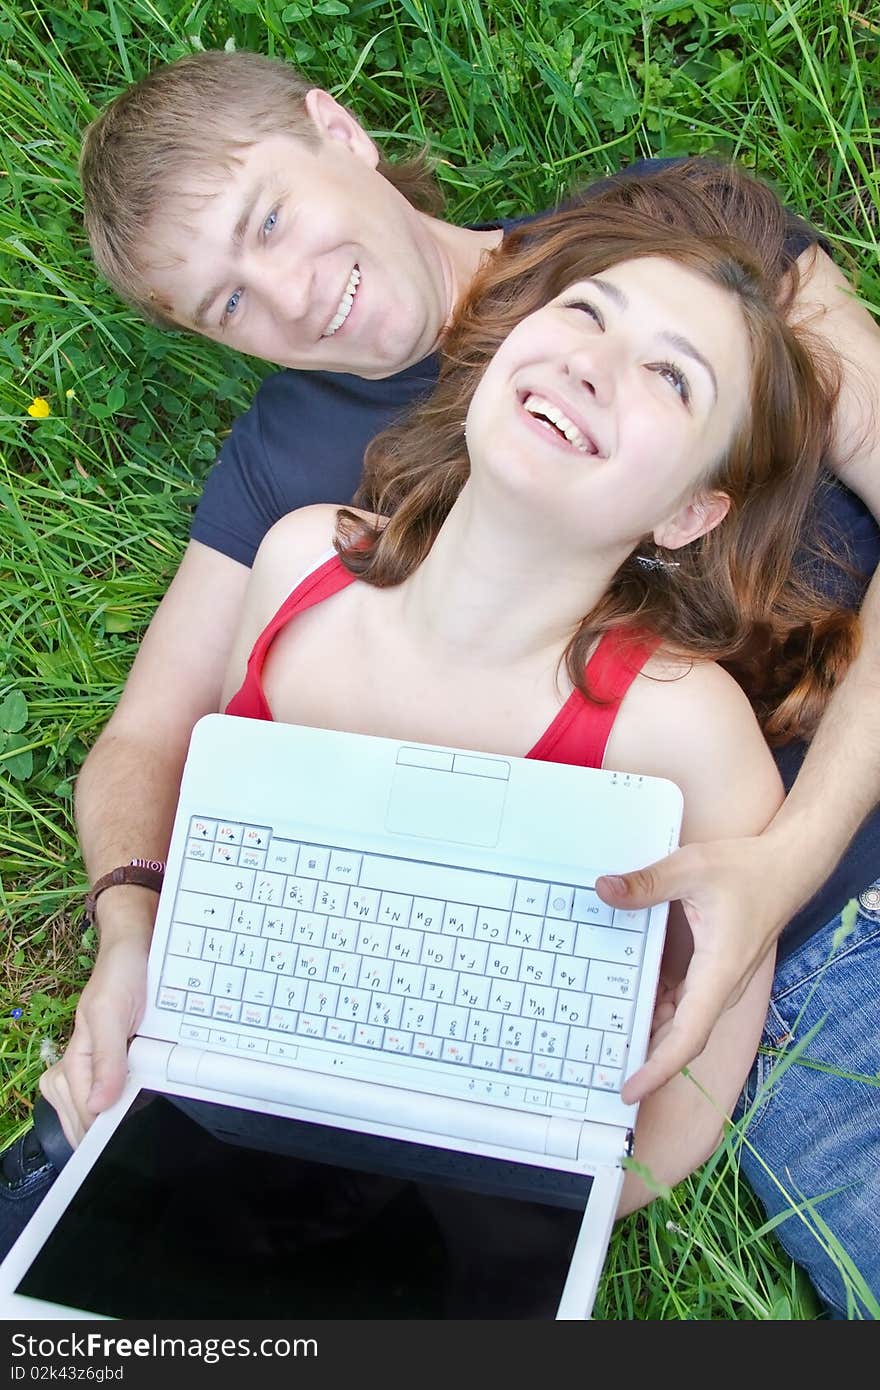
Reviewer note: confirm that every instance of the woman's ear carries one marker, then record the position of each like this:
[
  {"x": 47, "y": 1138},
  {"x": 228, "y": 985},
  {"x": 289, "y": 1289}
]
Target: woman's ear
[
  {"x": 333, "y": 122},
  {"x": 697, "y": 518}
]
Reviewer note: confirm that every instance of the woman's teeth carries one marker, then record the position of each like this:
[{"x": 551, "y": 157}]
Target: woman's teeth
[
  {"x": 551, "y": 414},
  {"x": 345, "y": 304}
]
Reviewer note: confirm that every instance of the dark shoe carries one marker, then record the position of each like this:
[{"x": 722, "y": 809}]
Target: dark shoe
[
  {"x": 26, "y": 1163},
  {"x": 28, "y": 1169},
  {"x": 24, "y": 1167}
]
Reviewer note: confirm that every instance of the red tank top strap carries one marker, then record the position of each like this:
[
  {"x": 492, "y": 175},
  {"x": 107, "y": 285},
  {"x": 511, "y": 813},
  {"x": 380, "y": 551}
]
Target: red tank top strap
[
  {"x": 329, "y": 577},
  {"x": 579, "y": 734}
]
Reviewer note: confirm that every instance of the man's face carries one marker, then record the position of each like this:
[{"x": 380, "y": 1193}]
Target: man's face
[{"x": 305, "y": 256}]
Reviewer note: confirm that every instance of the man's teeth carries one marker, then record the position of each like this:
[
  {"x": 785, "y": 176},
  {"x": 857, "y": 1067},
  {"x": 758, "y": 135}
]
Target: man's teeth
[
  {"x": 544, "y": 410},
  {"x": 345, "y": 304}
]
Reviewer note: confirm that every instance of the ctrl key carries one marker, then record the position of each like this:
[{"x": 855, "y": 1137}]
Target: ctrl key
[{"x": 173, "y": 999}]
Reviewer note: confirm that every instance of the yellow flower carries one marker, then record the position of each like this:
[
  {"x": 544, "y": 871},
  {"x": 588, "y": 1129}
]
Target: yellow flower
[
  {"x": 39, "y": 408},
  {"x": 70, "y": 393}
]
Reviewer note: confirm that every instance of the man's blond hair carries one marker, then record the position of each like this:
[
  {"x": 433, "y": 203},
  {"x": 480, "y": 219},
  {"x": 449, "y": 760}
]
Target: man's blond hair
[{"x": 170, "y": 137}]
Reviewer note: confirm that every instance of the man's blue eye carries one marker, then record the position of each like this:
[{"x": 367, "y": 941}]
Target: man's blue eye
[
  {"x": 270, "y": 221},
  {"x": 231, "y": 304}
]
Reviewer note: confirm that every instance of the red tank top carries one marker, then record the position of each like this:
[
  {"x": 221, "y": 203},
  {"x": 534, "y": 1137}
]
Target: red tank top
[{"x": 578, "y": 734}]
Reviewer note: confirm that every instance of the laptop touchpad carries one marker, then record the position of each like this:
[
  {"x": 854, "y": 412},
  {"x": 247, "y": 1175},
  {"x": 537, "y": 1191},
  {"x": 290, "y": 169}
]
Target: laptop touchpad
[{"x": 455, "y": 804}]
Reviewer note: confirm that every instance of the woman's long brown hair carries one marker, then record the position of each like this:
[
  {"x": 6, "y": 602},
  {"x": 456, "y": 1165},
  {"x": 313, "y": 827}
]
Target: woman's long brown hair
[{"x": 735, "y": 595}]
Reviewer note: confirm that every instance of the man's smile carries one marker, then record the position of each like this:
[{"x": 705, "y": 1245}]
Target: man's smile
[{"x": 344, "y": 307}]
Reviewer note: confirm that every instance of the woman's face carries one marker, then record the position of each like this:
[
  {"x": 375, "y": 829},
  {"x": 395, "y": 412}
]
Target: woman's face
[{"x": 608, "y": 406}]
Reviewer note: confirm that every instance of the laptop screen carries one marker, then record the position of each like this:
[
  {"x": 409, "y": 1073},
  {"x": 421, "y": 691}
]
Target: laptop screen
[{"x": 196, "y": 1209}]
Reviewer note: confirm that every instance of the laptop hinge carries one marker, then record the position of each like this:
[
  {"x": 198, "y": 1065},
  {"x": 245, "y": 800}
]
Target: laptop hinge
[
  {"x": 600, "y": 1144},
  {"x": 335, "y": 1098}
]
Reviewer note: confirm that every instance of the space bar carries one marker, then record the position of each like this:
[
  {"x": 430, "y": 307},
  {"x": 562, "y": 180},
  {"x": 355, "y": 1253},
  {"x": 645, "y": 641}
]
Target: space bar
[{"x": 437, "y": 881}]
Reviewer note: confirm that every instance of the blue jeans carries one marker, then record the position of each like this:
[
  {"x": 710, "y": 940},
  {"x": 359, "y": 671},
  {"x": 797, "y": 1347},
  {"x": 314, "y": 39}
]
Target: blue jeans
[
  {"x": 18, "y": 1204},
  {"x": 812, "y": 1132}
]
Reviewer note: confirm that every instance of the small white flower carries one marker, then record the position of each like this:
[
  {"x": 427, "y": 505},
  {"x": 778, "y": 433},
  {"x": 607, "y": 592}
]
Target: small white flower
[{"x": 48, "y": 1052}]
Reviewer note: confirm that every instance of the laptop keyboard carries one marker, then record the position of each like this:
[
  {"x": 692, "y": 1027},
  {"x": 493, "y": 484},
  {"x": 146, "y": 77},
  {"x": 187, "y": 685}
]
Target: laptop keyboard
[{"x": 524, "y": 986}]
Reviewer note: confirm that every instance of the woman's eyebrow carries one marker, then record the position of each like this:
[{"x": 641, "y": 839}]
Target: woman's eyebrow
[
  {"x": 616, "y": 295},
  {"x": 676, "y": 340}
]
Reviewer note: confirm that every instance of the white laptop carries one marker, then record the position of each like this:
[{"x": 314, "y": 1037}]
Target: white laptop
[{"x": 387, "y": 1022}]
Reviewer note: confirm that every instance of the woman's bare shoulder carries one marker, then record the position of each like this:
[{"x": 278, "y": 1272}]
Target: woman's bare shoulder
[
  {"x": 308, "y": 530},
  {"x": 687, "y": 700},
  {"x": 293, "y": 547},
  {"x": 295, "y": 542},
  {"x": 691, "y": 722}
]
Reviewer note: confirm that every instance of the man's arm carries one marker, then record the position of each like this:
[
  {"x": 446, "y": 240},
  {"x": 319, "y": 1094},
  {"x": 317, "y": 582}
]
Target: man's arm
[
  {"x": 825, "y": 303},
  {"x": 125, "y": 800},
  {"x": 739, "y": 894}
]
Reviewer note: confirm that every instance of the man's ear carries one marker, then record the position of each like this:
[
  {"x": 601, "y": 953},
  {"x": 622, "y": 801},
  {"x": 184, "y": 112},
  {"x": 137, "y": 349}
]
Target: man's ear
[
  {"x": 697, "y": 518},
  {"x": 333, "y": 122}
]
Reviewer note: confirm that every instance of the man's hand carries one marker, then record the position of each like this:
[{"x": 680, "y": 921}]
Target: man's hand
[
  {"x": 90, "y": 1076},
  {"x": 730, "y": 893}
]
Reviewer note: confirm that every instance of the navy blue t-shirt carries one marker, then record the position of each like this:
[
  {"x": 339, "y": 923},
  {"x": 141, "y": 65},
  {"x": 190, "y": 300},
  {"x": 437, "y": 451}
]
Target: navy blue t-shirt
[{"x": 303, "y": 440}]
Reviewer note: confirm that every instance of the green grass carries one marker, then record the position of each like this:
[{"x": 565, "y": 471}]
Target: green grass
[{"x": 519, "y": 100}]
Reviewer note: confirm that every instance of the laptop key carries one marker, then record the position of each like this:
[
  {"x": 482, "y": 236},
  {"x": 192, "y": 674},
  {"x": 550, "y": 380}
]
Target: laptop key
[
  {"x": 563, "y": 1100},
  {"x": 518, "y": 1063},
  {"x": 171, "y": 999},
  {"x": 614, "y": 1050},
  {"x": 191, "y": 1032},
  {"x": 611, "y": 1015},
  {"x": 616, "y": 980},
  {"x": 256, "y": 1015},
  {"x": 367, "y": 1035},
  {"x": 189, "y": 975},
  {"x": 547, "y": 1068},
  {"x": 589, "y": 907}
]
